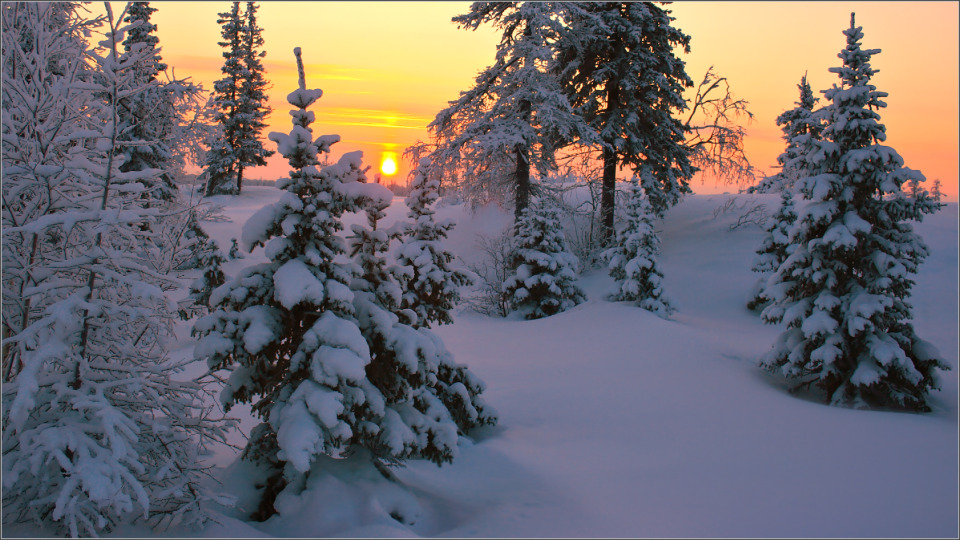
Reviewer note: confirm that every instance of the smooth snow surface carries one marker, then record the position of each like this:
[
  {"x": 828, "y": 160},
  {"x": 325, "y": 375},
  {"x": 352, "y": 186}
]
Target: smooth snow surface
[{"x": 614, "y": 422}]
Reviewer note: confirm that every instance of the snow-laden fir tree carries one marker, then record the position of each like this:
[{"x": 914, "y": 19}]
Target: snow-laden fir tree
[
  {"x": 801, "y": 128},
  {"x": 97, "y": 431},
  {"x": 311, "y": 339},
  {"x": 367, "y": 246},
  {"x": 544, "y": 272},
  {"x": 239, "y": 99},
  {"x": 148, "y": 115},
  {"x": 166, "y": 120},
  {"x": 516, "y": 116},
  {"x": 222, "y": 156},
  {"x": 431, "y": 287},
  {"x": 633, "y": 261},
  {"x": 622, "y": 76},
  {"x": 774, "y": 248},
  {"x": 158, "y": 125},
  {"x": 193, "y": 244},
  {"x": 195, "y": 250},
  {"x": 844, "y": 291}
]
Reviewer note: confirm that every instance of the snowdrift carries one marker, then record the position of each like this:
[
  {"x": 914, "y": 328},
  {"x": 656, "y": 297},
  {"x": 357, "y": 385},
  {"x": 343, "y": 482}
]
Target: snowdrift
[{"x": 617, "y": 423}]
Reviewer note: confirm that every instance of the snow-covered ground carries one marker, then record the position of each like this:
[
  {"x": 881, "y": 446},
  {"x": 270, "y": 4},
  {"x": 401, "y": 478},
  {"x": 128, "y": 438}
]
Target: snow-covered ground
[{"x": 617, "y": 423}]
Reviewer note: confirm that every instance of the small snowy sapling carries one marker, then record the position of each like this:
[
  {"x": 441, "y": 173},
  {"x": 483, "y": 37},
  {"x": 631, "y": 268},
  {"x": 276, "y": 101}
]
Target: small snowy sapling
[
  {"x": 633, "y": 261},
  {"x": 431, "y": 288},
  {"x": 774, "y": 248}
]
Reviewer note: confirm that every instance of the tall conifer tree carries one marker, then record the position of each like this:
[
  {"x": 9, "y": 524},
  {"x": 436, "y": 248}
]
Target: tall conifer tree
[
  {"x": 844, "y": 291},
  {"x": 252, "y": 106},
  {"x": 240, "y": 103},
  {"x": 430, "y": 285},
  {"x": 623, "y": 77},
  {"x": 774, "y": 247},
  {"x": 151, "y": 122},
  {"x": 510, "y": 125}
]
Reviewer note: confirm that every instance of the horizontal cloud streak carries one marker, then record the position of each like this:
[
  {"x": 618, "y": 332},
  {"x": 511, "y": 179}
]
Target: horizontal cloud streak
[{"x": 346, "y": 116}]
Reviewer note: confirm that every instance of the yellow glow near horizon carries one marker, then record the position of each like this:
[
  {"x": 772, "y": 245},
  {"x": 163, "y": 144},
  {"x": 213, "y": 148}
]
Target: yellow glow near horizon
[
  {"x": 388, "y": 163},
  {"x": 383, "y": 85}
]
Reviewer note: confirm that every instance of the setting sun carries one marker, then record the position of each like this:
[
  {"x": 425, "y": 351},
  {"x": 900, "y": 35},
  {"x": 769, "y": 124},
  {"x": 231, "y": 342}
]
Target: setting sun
[{"x": 388, "y": 164}]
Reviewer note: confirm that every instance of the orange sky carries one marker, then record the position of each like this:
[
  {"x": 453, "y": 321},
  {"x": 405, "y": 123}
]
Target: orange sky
[{"x": 386, "y": 68}]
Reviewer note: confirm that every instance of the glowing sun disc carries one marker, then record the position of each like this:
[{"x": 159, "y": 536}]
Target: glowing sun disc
[{"x": 388, "y": 165}]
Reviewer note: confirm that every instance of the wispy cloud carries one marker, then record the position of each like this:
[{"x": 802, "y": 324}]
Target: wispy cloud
[
  {"x": 330, "y": 72},
  {"x": 345, "y": 116}
]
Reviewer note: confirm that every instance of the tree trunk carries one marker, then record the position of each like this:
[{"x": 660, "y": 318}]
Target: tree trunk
[
  {"x": 239, "y": 177},
  {"x": 608, "y": 188},
  {"x": 608, "y": 191},
  {"x": 522, "y": 199}
]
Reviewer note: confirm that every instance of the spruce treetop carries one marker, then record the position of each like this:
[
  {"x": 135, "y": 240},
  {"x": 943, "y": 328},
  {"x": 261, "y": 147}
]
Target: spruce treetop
[{"x": 143, "y": 33}]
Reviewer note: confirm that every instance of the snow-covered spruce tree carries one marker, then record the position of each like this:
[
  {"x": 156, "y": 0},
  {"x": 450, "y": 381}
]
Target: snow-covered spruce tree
[
  {"x": 240, "y": 102},
  {"x": 542, "y": 282},
  {"x": 774, "y": 248},
  {"x": 431, "y": 288},
  {"x": 622, "y": 76},
  {"x": 146, "y": 117},
  {"x": 367, "y": 246},
  {"x": 633, "y": 261},
  {"x": 157, "y": 125},
  {"x": 193, "y": 244},
  {"x": 234, "y": 252},
  {"x": 801, "y": 129},
  {"x": 164, "y": 119},
  {"x": 515, "y": 117},
  {"x": 310, "y": 339},
  {"x": 844, "y": 291},
  {"x": 96, "y": 431},
  {"x": 212, "y": 276},
  {"x": 221, "y": 158}
]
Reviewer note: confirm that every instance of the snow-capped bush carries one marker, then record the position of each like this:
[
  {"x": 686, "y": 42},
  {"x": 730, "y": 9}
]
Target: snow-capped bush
[{"x": 544, "y": 272}]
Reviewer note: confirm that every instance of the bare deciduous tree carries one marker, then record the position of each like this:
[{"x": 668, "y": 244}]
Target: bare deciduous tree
[{"x": 715, "y": 132}]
